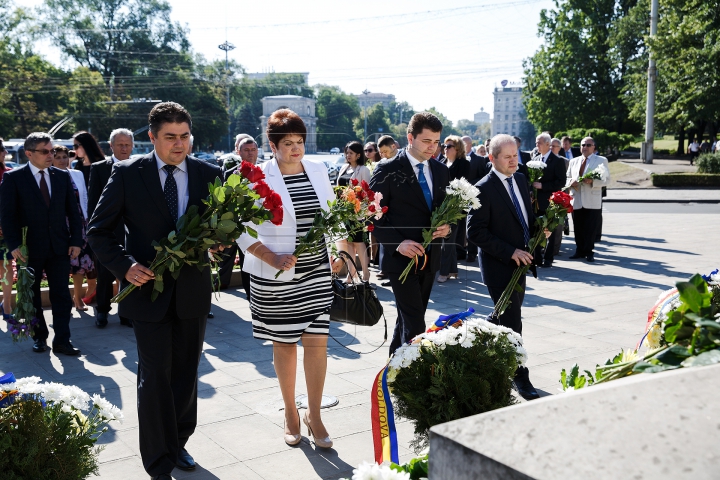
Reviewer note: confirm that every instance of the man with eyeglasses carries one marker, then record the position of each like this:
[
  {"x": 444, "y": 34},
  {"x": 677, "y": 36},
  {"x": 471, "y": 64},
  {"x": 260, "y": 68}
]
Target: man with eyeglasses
[
  {"x": 587, "y": 198},
  {"x": 122, "y": 143},
  {"x": 41, "y": 198}
]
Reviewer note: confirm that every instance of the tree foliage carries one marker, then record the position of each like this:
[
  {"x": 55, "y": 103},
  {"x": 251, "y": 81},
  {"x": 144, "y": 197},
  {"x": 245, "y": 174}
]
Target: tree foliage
[
  {"x": 377, "y": 124},
  {"x": 336, "y": 111}
]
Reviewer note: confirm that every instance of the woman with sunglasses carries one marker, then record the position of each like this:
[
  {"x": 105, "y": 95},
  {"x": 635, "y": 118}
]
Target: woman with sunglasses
[
  {"x": 372, "y": 154},
  {"x": 83, "y": 265},
  {"x": 87, "y": 152},
  {"x": 355, "y": 169},
  {"x": 7, "y": 274},
  {"x": 459, "y": 167}
]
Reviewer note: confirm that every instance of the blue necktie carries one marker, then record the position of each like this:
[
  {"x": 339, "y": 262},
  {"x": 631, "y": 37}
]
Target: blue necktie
[
  {"x": 516, "y": 202},
  {"x": 171, "y": 192},
  {"x": 424, "y": 186}
]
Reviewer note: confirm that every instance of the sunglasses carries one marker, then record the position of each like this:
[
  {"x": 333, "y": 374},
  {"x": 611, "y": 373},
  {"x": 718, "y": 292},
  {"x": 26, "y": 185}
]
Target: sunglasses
[
  {"x": 42, "y": 151},
  {"x": 447, "y": 147},
  {"x": 587, "y": 145},
  {"x": 369, "y": 150}
]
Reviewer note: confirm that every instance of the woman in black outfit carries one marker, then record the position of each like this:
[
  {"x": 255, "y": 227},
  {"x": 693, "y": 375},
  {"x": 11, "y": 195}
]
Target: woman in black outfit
[
  {"x": 87, "y": 152},
  {"x": 459, "y": 167}
]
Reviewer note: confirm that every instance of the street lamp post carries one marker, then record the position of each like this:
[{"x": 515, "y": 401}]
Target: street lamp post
[
  {"x": 365, "y": 92},
  {"x": 227, "y": 46},
  {"x": 647, "y": 146}
]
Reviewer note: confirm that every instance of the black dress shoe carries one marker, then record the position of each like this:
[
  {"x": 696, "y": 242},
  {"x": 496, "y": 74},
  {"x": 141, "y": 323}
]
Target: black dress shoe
[
  {"x": 101, "y": 320},
  {"x": 523, "y": 385},
  {"x": 40, "y": 346},
  {"x": 211, "y": 315},
  {"x": 126, "y": 321},
  {"x": 545, "y": 265},
  {"x": 162, "y": 476},
  {"x": 471, "y": 259},
  {"x": 66, "y": 349},
  {"x": 381, "y": 275},
  {"x": 576, "y": 255},
  {"x": 185, "y": 461},
  {"x": 590, "y": 258}
]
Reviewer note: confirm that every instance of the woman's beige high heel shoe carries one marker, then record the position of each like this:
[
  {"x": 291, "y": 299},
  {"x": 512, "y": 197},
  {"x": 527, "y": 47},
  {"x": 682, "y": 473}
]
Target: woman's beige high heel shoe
[
  {"x": 291, "y": 439},
  {"x": 320, "y": 442}
]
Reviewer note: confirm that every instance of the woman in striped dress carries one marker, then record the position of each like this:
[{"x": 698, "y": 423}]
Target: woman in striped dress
[{"x": 294, "y": 306}]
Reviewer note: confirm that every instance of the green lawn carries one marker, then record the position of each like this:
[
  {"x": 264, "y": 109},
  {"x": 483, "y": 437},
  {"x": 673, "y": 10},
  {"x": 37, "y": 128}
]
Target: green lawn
[{"x": 668, "y": 142}]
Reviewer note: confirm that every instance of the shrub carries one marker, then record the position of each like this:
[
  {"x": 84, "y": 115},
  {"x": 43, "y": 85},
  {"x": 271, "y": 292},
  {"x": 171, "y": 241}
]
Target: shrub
[
  {"x": 686, "y": 180},
  {"x": 605, "y": 140},
  {"x": 708, "y": 163}
]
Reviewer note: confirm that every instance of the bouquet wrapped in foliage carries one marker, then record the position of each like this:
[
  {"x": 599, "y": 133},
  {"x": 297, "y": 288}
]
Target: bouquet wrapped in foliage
[
  {"x": 684, "y": 333},
  {"x": 415, "y": 469},
  {"x": 599, "y": 173},
  {"x": 48, "y": 430},
  {"x": 22, "y": 322},
  {"x": 460, "y": 198},
  {"x": 229, "y": 206},
  {"x": 535, "y": 170},
  {"x": 560, "y": 206},
  {"x": 451, "y": 373},
  {"x": 355, "y": 205}
]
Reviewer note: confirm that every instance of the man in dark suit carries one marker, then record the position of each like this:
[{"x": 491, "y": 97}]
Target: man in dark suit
[
  {"x": 569, "y": 151},
  {"x": 502, "y": 228},
  {"x": 479, "y": 167},
  {"x": 41, "y": 197},
  {"x": 148, "y": 195},
  {"x": 412, "y": 185},
  {"x": 121, "y": 144},
  {"x": 553, "y": 179},
  {"x": 523, "y": 158}
]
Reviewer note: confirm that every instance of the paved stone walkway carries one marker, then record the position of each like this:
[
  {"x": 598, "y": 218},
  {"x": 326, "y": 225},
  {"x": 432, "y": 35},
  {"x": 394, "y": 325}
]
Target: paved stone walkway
[{"x": 576, "y": 312}]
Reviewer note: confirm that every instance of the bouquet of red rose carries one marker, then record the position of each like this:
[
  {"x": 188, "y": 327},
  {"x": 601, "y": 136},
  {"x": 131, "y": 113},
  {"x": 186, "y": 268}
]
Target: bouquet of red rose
[
  {"x": 560, "y": 206},
  {"x": 355, "y": 205},
  {"x": 229, "y": 207}
]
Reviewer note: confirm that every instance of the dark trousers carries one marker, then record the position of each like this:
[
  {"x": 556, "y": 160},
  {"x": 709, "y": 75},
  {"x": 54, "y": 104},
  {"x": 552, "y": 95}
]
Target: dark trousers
[
  {"x": 412, "y": 299},
  {"x": 168, "y": 358},
  {"x": 586, "y": 222},
  {"x": 226, "y": 268},
  {"x": 57, "y": 270},
  {"x": 472, "y": 249},
  {"x": 104, "y": 288},
  {"x": 449, "y": 257},
  {"x": 460, "y": 239},
  {"x": 511, "y": 318},
  {"x": 547, "y": 254}
]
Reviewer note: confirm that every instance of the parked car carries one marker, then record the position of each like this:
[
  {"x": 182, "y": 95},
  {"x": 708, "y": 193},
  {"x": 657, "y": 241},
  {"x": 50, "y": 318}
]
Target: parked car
[
  {"x": 332, "y": 171},
  {"x": 335, "y": 150}
]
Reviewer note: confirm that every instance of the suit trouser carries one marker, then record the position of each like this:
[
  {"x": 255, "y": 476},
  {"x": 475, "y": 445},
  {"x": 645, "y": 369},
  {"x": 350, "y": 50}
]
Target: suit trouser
[
  {"x": 412, "y": 299},
  {"x": 226, "y": 268},
  {"x": 586, "y": 222},
  {"x": 461, "y": 228},
  {"x": 448, "y": 258},
  {"x": 472, "y": 249},
  {"x": 548, "y": 254},
  {"x": 168, "y": 358},
  {"x": 57, "y": 270},
  {"x": 511, "y": 318}
]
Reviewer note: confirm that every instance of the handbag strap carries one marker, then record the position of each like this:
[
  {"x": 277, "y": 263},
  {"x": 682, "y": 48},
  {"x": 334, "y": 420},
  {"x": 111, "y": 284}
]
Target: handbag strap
[{"x": 342, "y": 255}]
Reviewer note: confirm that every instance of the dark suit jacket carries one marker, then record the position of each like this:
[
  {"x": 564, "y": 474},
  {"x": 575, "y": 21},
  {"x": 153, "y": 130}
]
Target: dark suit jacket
[
  {"x": 459, "y": 169},
  {"x": 479, "y": 167},
  {"x": 134, "y": 196},
  {"x": 495, "y": 227},
  {"x": 553, "y": 179},
  {"x": 408, "y": 213},
  {"x": 99, "y": 176},
  {"x": 524, "y": 157},
  {"x": 22, "y": 205}
]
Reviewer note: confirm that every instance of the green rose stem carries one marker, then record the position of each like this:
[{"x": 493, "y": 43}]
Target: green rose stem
[
  {"x": 229, "y": 205},
  {"x": 24, "y": 307}
]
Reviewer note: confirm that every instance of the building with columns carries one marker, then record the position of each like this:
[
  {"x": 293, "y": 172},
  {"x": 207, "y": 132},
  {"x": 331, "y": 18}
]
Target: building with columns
[
  {"x": 303, "y": 106},
  {"x": 482, "y": 117},
  {"x": 370, "y": 99}
]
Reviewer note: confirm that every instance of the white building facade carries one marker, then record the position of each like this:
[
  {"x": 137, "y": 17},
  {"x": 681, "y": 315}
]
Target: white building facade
[
  {"x": 482, "y": 117},
  {"x": 509, "y": 114},
  {"x": 371, "y": 99},
  {"x": 303, "y": 106}
]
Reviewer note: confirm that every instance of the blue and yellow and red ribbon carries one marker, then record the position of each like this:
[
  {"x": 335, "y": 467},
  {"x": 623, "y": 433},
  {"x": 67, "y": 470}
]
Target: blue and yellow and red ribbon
[
  {"x": 662, "y": 304},
  {"x": 382, "y": 415},
  {"x": 5, "y": 397}
]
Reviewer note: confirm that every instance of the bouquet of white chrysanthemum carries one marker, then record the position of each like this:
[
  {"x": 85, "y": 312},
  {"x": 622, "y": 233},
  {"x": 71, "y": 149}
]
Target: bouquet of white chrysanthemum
[
  {"x": 599, "y": 173},
  {"x": 52, "y": 428},
  {"x": 535, "y": 171},
  {"x": 460, "y": 198}
]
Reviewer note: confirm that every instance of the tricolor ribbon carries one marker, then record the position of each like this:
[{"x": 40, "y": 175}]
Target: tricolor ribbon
[
  {"x": 418, "y": 266},
  {"x": 382, "y": 415},
  {"x": 5, "y": 396},
  {"x": 661, "y": 306}
]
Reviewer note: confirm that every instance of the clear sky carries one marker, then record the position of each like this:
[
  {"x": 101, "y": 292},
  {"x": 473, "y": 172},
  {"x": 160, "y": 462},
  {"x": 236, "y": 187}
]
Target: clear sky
[{"x": 448, "y": 54}]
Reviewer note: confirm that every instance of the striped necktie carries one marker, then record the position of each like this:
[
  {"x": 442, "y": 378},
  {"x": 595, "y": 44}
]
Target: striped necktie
[{"x": 516, "y": 202}]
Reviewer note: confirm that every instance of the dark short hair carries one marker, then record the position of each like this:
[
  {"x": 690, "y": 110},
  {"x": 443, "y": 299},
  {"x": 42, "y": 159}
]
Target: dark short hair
[
  {"x": 356, "y": 147},
  {"x": 422, "y": 120},
  {"x": 245, "y": 141},
  {"x": 285, "y": 122},
  {"x": 35, "y": 139},
  {"x": 518, "y": 140},
  {"x": 90, "y": 145},
  {"x": 60, "y": 148},
  {"x": 386, "y": 141},
  {"x": 168, "y": 112},
  {"x": 566, "y": 138}
]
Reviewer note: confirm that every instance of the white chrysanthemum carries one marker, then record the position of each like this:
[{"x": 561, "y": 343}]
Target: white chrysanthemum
[
  {"x": 107, "y": 410},
  {"x": 77, "y": 397},
  {"x": 652, "y": 340},
  {"x": 373, "y": 471},
  {"x": 54, "y": 392},
  {"x": 536, "y": 164},
  {"x": 602, "y": 171}
]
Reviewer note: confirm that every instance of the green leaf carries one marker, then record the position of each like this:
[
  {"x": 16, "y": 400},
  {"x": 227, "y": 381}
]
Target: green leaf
[
  {"x": 563, "y": 379},
  {"x": 227, "y": 216},
  {"x": 219, "y": 194},
  {"x": 253, "y": 233},
  {"x": 226, "y": 226},
  {"x": 233, "y": 180},
  {"x": 706, "y": 358},
  {"x": 645, "y": 367},
  {"x": 690, "y": 295}
]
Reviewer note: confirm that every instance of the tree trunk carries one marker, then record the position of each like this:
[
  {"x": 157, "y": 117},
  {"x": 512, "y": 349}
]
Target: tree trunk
[{"x": 681, "y": 141}]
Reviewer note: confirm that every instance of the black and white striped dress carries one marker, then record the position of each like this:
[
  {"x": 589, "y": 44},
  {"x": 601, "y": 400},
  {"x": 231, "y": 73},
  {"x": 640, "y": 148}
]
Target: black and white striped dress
[{"x": 283, "y": 310}]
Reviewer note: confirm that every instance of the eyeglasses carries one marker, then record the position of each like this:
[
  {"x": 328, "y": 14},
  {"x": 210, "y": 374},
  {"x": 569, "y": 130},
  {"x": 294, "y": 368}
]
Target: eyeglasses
[
  {"x": 369, "y": 150},
  {"x": 42, "y": 151},
  {"x": 447, "y": 147},
  {"x": 587, "y": 145}
]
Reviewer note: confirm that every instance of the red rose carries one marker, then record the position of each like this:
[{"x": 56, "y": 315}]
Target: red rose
[
  {"x": 277, "y": 214},
  {"x": 371, "y": 208},
  {"x": 371, "y": 195},
  {"x": 563, "y": 200},
  {"x": 354, "y": 182},
  {"x": 262, "y": 189},
  {"x": 365, "y": 185},
  {"x": 272, "y": 201},
  {"x": 251, "y": 172},
  {"x": 371, "y": 227},
  {"x": 361, "y": 195},
  {"x": 384, "y": 209}
]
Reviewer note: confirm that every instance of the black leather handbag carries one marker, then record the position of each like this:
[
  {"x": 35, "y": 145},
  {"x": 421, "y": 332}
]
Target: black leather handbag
[{"x": 354, "y": 303}]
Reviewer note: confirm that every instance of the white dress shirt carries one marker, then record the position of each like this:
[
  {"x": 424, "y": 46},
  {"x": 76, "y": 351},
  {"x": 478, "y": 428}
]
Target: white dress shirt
[
  {"x": 115, "y": 160},
  {"x": 503, "y": 179},
  {"x": 36, "y": 173},
  {"x": 545, "y": 157},
  {"x": 181, "y": 179},
  {"x": 426, "y": 170}
]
